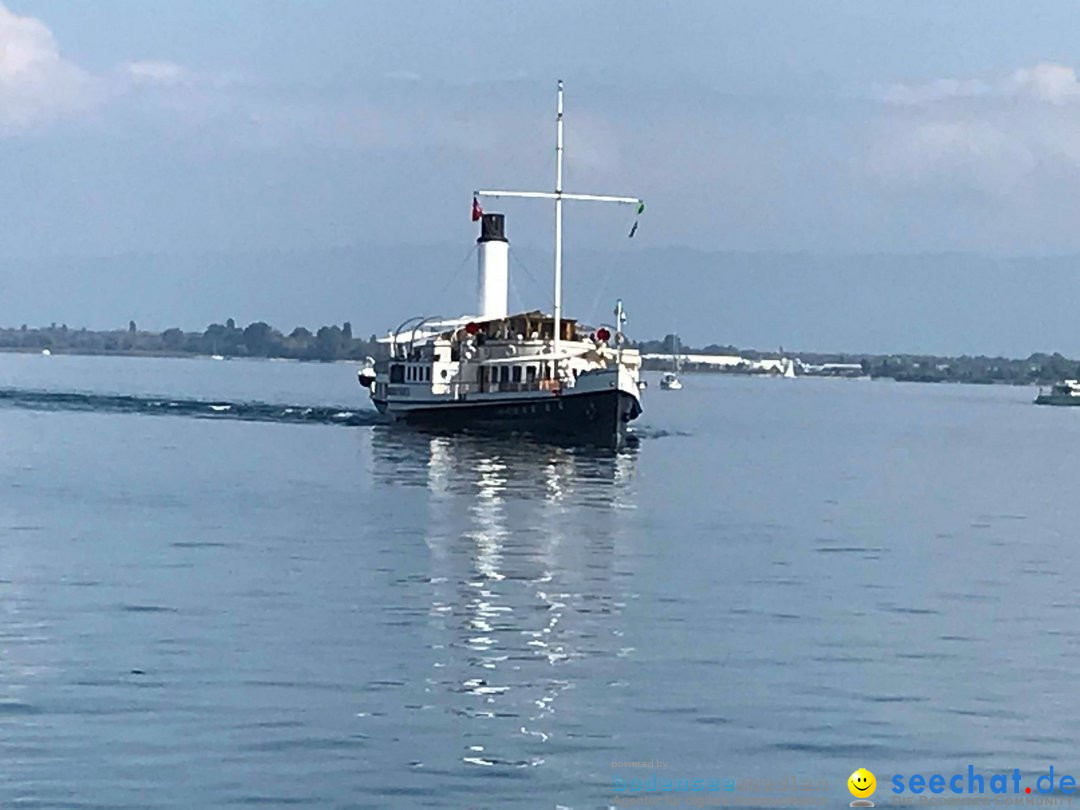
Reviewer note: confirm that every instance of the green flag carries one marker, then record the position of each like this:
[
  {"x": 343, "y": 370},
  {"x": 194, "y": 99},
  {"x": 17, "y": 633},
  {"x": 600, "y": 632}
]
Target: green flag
[{"x": 641, "y": 207}]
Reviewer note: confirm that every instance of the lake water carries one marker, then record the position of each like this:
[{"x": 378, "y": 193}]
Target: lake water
[{"x": 783, "y": 577}]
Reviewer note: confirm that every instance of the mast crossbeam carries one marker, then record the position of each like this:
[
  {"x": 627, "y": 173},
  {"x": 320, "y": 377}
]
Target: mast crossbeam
[{"x": 552, "y": 195}]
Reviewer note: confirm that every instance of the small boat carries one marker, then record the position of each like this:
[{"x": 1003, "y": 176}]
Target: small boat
[
  {"x": 669, "y": 380},
  {"x": 1066, "y": 392}
]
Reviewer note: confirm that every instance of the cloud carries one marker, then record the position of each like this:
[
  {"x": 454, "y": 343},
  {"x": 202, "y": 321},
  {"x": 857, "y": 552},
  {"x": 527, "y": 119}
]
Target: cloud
[
  {"x": 1044, "y": 82},
  {"x": 934, "y": 91},
  {"x": 36, "y": 83},
  {"x": 403, "y": 76},
  {"x": 39, "y": 85},
  {"x": 1054, "y": 84},
  {"x": 156, "y": 72},
  {"x": 953, "y": 155},
  {"x": 1014, "y": 137}
]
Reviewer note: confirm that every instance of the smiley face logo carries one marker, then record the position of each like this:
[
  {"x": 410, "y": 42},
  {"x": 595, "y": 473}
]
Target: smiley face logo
[{"x": 862, "y": 784}]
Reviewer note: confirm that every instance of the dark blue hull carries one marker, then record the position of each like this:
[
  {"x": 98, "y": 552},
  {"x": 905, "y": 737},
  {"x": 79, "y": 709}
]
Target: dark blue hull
[{"x": 596, "y": 419}]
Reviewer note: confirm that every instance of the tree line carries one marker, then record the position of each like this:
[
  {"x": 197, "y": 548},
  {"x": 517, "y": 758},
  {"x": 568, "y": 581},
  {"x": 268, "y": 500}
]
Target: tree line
[
  {"x": 329, "y": 343},
  {"x": 258, "y": 339}
]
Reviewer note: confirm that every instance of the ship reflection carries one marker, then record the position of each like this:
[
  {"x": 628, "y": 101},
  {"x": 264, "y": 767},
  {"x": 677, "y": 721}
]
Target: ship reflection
[
  {"x": 524, "y": 597},
  {"x": 448, "y": 464}
]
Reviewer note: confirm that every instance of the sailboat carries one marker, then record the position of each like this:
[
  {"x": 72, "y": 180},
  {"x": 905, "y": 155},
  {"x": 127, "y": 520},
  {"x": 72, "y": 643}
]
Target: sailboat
[
  {"x": 669, "y": 380},
  {"x": 529, "y": 372}
]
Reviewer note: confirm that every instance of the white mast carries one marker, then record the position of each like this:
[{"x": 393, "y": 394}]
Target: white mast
[
  {"x": 558, "y": 196},
  {"x": 558, "y": 232}
]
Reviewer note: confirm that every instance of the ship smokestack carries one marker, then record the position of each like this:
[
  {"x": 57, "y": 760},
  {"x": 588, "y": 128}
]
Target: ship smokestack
[{"x": 494, "y": 266}]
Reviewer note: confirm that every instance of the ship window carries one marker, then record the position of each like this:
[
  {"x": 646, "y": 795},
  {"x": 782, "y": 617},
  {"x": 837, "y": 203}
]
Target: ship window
[
  {"x": 444, "y": 373},
  {"x": 517, "y": 374},
  {"x": 397, "y": 373},
  {"x": 530, "y": 373},
  {"x": 506, "y": 374}
]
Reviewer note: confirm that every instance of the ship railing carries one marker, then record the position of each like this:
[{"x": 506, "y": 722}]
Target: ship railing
[
  {"x": 525, "y": 385},
  {"x": 459, "y": 390}
]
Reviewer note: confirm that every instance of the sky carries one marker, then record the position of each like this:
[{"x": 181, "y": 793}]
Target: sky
[{"x": 834, "y": 175}]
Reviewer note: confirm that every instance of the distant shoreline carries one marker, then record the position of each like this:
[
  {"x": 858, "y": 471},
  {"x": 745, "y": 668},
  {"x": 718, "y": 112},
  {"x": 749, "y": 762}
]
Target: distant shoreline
[
  {"x": 76, "y": 352},
  {"x": 330, "y": 344},
  {"x": 164, "y": 355}
]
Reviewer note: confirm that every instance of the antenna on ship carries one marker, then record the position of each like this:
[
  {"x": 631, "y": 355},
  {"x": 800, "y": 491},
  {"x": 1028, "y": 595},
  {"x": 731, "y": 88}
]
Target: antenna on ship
[{"x": 558, "y": 196}]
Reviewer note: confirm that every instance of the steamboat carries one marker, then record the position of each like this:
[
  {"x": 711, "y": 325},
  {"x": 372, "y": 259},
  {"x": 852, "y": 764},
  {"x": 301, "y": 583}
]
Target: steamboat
[{"x": 535, "y": 373}]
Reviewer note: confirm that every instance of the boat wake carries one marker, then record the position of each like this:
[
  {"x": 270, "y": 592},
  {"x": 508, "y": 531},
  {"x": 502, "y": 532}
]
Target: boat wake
[
  {"x": 645, "y": 432},
  {"x": 193, "y": 408}
]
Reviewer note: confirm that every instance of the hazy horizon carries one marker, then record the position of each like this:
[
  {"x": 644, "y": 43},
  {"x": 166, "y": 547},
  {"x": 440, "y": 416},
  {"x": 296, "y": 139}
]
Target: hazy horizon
[{"x": 879, "y": 304}]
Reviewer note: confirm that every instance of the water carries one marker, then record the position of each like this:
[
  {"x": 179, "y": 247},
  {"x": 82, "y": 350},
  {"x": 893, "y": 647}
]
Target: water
[{"x": 785, "y": 576}]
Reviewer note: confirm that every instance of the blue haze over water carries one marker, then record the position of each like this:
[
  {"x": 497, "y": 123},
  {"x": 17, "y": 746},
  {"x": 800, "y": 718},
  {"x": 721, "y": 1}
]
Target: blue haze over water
[{"x": 783, "y": 577}]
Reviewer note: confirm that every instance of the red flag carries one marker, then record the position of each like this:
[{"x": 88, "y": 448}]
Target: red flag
[{"x": 477, "y": 211}]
